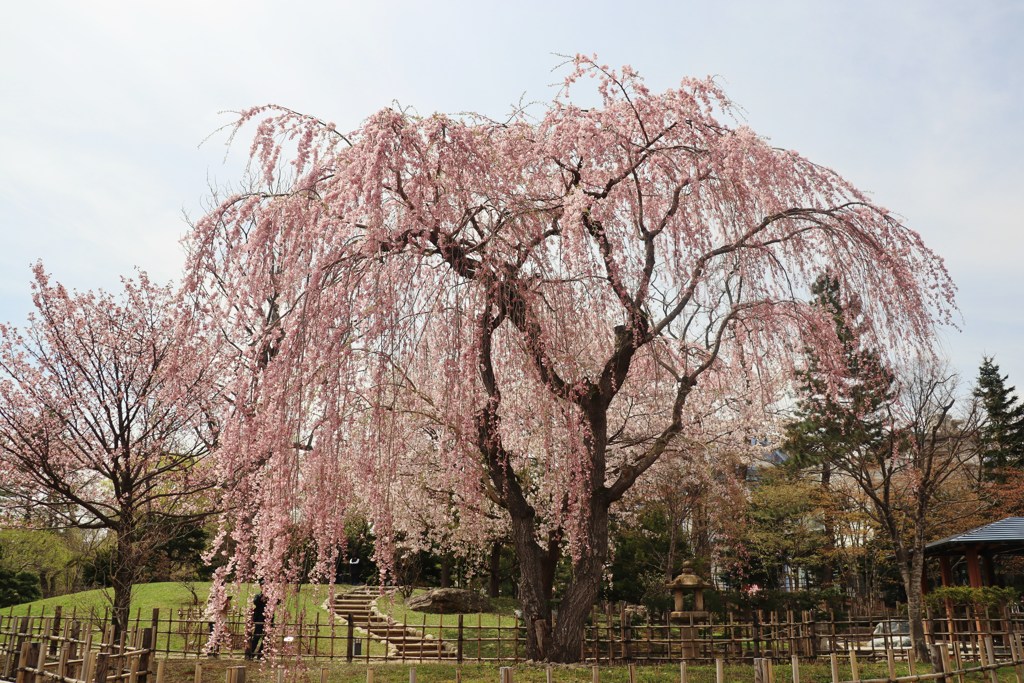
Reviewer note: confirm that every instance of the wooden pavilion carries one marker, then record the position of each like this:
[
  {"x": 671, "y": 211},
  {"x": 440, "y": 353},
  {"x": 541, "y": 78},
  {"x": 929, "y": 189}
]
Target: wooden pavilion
[{"x": 979, "y": 548}]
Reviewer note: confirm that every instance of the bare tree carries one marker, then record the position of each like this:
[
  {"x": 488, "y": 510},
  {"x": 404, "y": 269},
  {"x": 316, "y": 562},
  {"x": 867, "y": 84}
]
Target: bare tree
[{"x": 914, "y": 477}]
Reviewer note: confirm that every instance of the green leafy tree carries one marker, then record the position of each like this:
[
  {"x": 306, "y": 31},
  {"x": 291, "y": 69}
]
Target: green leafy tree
[{"x": 1002, "y": 433}]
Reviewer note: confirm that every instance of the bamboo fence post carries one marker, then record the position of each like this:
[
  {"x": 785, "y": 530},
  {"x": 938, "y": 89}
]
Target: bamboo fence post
[
  {"x": 41, "y": 660},
  {"x": 65, "y": 651},
  {"x": 89, "y": 666},
  {"x": 100, "y": 666},
  {"x": 760, "y": 670},
  {"x": 349, "y": 634},
  {"x": 1018, "y": 655},
  {"x": 28, "y": 655},
  {"x": 459, "y": 642},
  {"x": 944, "y": 658},
  {"x": 991, "y": 651}
]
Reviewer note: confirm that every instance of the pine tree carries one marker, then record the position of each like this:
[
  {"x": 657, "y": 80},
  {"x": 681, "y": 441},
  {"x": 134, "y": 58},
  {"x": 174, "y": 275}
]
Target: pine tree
[
  {"x": 1002, "y": 436},
  {"x": 830, "y": 422}
]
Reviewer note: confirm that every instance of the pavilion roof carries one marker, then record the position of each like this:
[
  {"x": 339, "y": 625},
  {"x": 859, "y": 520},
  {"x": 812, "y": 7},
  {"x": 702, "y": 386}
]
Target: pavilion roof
[{"x": 1003, "y": 536}]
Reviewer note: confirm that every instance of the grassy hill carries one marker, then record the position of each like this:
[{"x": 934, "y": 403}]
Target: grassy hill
[{"x": 167, "y": 596}]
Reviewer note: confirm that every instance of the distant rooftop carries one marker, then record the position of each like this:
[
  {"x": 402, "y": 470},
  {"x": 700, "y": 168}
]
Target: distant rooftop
[{"x": 1004, "y": 536}]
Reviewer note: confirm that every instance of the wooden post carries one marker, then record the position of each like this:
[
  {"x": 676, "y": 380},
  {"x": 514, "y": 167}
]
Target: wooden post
[
  {"x": 944, "y": 657},
  {"x": 912, "y": 661},
  {"x": 854, "y": 667},
  {"x": 990, "y": 650},
  {"x": 834, "y": 661},
  {"x": 548, "y": 674},
  {"x": 794, "y": 663},
  {"x": 65, "y": 651},
  {"x": 41, "y": 661},
  {"x": 760, "y": 670},
  {"x": 719, "y": 670},
  {"x": 682, "y": 673},
  {"x": 90, "y": 664},
  {"x": 595, "y": 675},
  {"x": 458, "y": 643},
  {"x": 197, "y": 677},
  {"x": 55, "y": 630},
  {"x": 100, "y": 670},
  {"x": 890, "y": 660},
  {"x": 349, "y": 633},
  {"x": 632, "y": 672},
  {"x": 412, "y": 674},
  {"x": 146, "y": 656},
  {"x": 28, "y": 656},
  {"x": 1017, "y": 654},
  {"x": 369, "y": 676},
  {"x": 280, "y": 675},
  {"x": 324, "y": 674},
  {"x": 161, "y": 665}
]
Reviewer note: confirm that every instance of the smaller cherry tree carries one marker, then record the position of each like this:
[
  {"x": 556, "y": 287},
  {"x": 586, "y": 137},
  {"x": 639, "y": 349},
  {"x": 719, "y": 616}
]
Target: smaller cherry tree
[{"x": 106, "y": 419}]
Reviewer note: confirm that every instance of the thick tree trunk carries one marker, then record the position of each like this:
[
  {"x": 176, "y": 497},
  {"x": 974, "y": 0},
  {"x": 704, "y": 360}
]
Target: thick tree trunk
[
  {"x": 562, "y": 640},
  {"x": 446, "y": 571},
  {"x": 494, "y": 571},
  {"x": 123, "y": 576}
]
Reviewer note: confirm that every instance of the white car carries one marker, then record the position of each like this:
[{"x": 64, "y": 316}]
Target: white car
[{"x": 893, "y": 633}]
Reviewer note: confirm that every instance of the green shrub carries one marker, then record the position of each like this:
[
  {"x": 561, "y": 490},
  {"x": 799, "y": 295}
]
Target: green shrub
[
  {"x": 986, "y": 596},
  {"x": 18, "y": 587}
]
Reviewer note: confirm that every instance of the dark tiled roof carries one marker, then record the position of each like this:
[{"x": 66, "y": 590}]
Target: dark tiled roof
[{"x": 1006, "y": 534}]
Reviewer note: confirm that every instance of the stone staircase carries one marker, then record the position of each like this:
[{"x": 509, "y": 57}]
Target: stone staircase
[{"x": 402, "y": 642}]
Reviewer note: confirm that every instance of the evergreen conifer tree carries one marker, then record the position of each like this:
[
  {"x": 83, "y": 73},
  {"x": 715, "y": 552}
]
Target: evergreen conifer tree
[
  {"x": 1002, "y": 435},
  {"x": 831, "y": 422}
]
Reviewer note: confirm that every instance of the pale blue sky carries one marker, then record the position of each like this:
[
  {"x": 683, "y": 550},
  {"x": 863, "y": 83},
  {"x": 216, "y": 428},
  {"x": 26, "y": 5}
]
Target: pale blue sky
[{"x": 103, "y": 106}]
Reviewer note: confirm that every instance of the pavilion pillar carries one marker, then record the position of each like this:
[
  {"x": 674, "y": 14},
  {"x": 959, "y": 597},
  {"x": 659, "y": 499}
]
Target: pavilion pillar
[
  {"x": 990, "y": 569},
  {"x": 946, "y": 571},
  {"x": 973, "y": 567}
]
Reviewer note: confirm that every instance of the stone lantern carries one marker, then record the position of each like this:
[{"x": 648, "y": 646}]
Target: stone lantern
[{"x": 688, "y": 583}]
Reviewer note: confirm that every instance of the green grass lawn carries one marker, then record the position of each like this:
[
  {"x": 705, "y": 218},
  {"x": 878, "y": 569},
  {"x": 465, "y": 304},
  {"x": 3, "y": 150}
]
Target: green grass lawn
[
  {"x": 182, "y": 626},
  {"x": 213, "y": 672},
  {"x": 184, "y": 629}
]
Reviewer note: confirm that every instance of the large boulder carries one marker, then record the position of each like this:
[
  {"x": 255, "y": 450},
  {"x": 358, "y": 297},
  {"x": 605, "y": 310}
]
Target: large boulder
[{"x": 449, "y": 601}]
